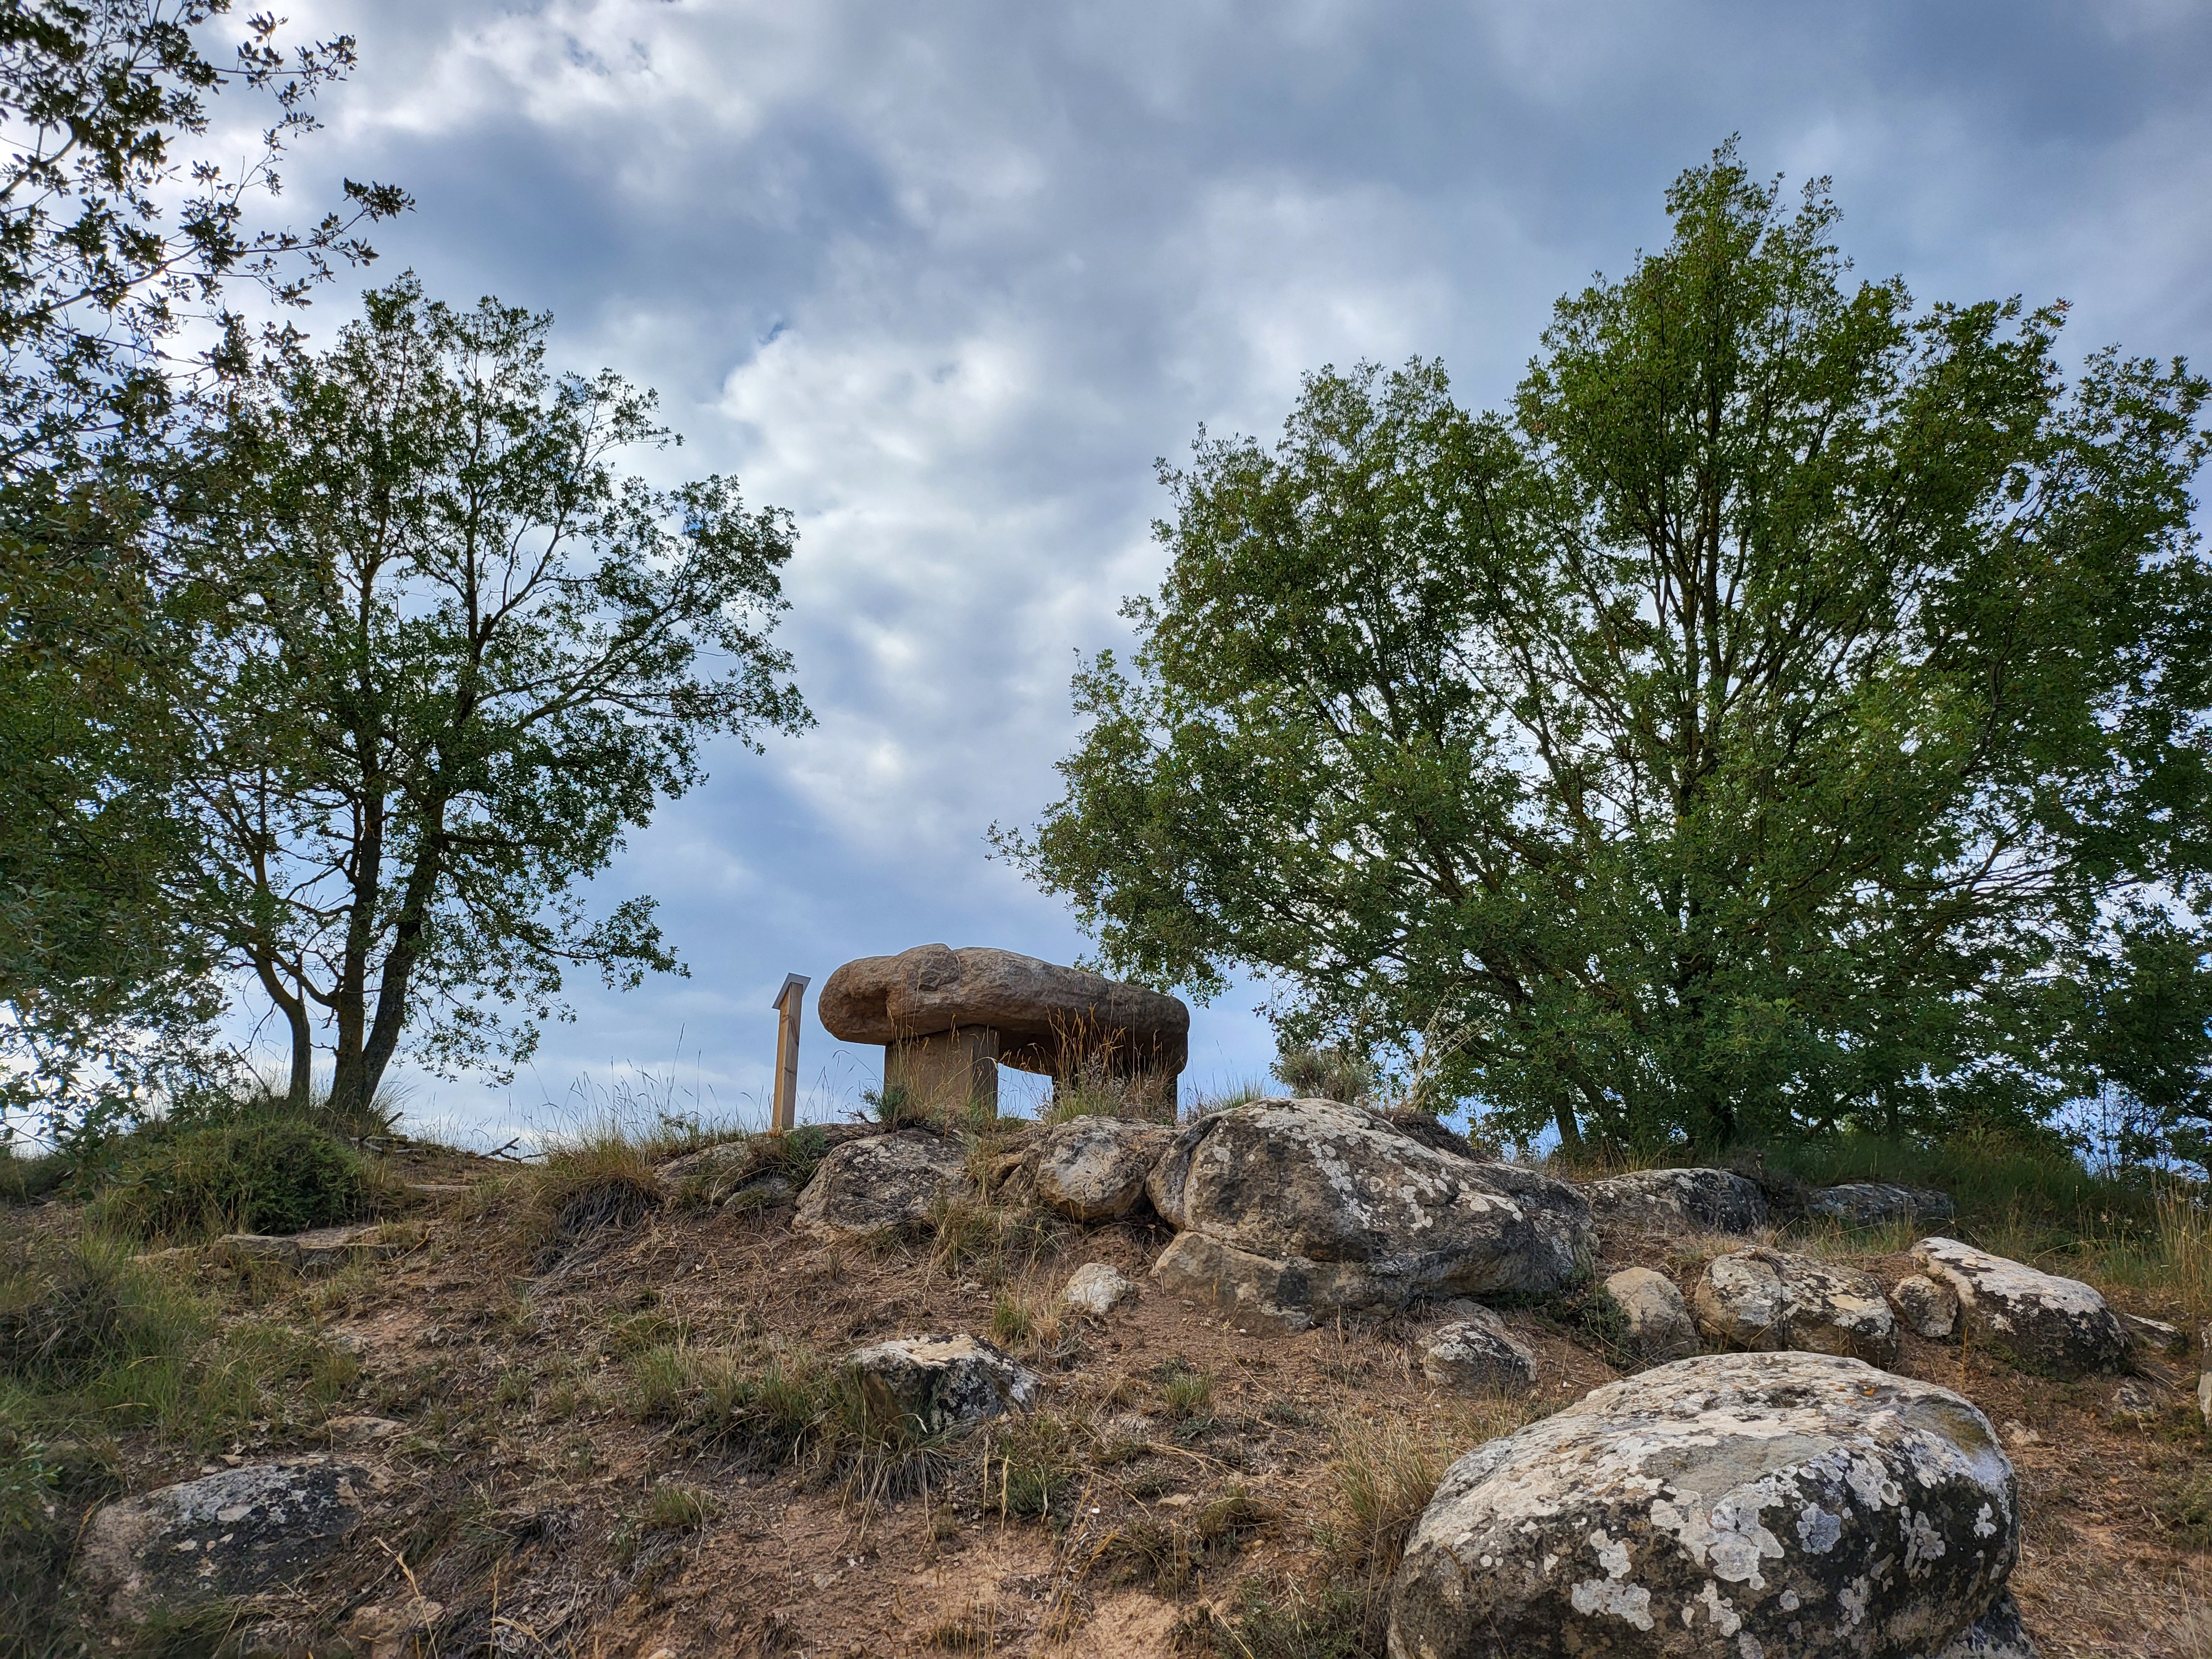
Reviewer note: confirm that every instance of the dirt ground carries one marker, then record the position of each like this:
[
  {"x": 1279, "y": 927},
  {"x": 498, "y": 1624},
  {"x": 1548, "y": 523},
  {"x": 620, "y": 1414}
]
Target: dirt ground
[{"x": 518, "y": 1491}]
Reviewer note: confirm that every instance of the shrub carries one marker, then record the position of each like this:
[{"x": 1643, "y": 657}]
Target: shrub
[{"x": 261, "y": 1174}]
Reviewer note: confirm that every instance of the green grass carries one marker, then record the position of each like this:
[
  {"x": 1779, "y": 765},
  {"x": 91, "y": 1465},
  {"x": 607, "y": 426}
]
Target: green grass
[{"x": 256, "y": 1174}]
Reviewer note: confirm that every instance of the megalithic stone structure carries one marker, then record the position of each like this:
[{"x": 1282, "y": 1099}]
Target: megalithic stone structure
[
  {"x": 785, "y": 1109},
  {"x": 948, "y": 1019}
]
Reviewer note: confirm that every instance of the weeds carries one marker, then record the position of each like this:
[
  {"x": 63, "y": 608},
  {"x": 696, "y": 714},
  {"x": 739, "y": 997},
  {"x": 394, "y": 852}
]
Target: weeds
[
  {"x": 1036, "y": 1460},
  {"x": 1285, "y": 1619},
  {"x": 257, "y": 1174},
  {"x": 992, "y": 1241},
  {"x": 604, "y": 1180},
  {"x": 1185, "y": 1390},
  {"x": 1169, "y": 1556}
]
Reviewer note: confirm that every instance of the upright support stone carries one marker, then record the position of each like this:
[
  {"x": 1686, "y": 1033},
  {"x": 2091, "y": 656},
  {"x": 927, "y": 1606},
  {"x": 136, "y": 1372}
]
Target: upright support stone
[
  {"x": 946, "y": 1072},
  {"x": 784, "y": 1112}
]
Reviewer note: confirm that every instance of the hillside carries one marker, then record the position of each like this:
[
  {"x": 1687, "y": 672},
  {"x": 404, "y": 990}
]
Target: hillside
[{"x": 600, "y": 1409}]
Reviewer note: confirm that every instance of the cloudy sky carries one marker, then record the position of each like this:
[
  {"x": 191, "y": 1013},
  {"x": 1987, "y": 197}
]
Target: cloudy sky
[{"x": 945, "y": 279}]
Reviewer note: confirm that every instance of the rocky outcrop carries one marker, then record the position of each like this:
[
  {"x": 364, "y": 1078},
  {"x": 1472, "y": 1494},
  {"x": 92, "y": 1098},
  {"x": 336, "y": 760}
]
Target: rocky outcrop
[
  {"x": 1877, "y": 1203},
  {"x": 2060, "y": 1328},
  {"x": 1659, "y": 1325},
  {"x": 1289, "y": 1211},
  {"x": 1768, "y": 1299},
  {"x": 1093, "y": 1168},
  {"x": 1926, "y": 1307},
  {"x": 1097, "y": 1289},
  {"x": 881, "y": 1183},
  {"x": 2155, "y": 1335},
  {"x": 943, "y": 1384},
  {"x": 1785, "y": 1504},
  {"x": 320, "y": 1250},
  {"x": 223, "y": 1536},
  {"x": 1476, "y": 1351},
  {"x": 1677, "y": 1201}
]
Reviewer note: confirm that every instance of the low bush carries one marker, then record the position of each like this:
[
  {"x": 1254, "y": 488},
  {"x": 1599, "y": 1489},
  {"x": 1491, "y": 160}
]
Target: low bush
[
  {"x": 254, "y": 1174},
  {"x": 28, "y": 1177}
]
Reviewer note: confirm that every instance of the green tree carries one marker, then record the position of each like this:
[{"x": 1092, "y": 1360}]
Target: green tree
[
  {"x": 1733, "y": 735},
  {"x": 470, "y": 654},
  {"x": 113, "y": 238}
]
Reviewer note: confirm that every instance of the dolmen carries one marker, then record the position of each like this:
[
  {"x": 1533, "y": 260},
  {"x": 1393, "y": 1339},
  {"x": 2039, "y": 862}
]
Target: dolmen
[{"x": 948, "y": 1019}]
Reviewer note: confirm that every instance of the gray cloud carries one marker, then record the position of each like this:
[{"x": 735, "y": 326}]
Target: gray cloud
[{"x": 945, "y": 280}]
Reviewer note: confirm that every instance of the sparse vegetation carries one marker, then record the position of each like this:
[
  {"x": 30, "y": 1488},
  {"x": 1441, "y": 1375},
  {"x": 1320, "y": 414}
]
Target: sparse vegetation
[
  {"x": 603, "y": 1179},
  {"x": 260, "y": 1172}
]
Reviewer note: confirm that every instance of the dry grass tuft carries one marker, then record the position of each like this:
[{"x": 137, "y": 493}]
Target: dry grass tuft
[{"x": 604, "y": 1180}]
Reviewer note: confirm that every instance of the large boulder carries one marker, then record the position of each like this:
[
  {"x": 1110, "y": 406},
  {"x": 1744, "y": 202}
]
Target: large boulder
[
  {"x": 943, "y": 1384},
  {"x": 1290, "y": 1211},
  {"x": 224, "y": 1536},
  {"x": 1658, "y": 1321},
  {"x": 1877, "y": 1203},
  {"x": 884, "y": 1182},
  {"x": 1737, "y": 1504},
  {"x": 1093, "y": 1168},
  {"x": 1770, "y": 1299},
  {"x": 2059, "y": 1326},
  {"x": 1677, "y": 1201}
]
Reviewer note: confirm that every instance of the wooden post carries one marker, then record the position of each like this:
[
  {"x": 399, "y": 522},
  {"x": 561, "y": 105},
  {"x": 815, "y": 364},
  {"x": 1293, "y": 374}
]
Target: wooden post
[{"x": 784, "y": 1112}]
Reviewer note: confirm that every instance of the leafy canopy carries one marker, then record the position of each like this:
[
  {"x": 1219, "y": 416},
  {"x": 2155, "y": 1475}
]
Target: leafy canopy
[{"x": 1744, "y": 730}]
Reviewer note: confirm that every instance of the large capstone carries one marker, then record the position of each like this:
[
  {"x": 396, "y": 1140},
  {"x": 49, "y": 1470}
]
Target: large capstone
[
  {"x": 948, "y": 1019},
  {"x": 1677, "y": 1201},
  {"x": 885, "y": 1182},
  {"x": 225, "y": 1536},
  {"x": 1777, "y": 1505},
  {"x": 1290, "y": 1211},
  {"x": 1772, "y": 1299},
  {"x": 2059, "y": 1326},
  {"x": 943, "y": 1384},
  {"x": 1093, "y": 1168}
]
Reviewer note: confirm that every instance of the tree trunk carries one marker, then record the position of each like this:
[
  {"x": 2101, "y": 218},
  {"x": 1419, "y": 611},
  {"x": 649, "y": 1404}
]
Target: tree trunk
[
  {"x": 383, "y": 1040},
  {"x": 300, "y": 1095}
]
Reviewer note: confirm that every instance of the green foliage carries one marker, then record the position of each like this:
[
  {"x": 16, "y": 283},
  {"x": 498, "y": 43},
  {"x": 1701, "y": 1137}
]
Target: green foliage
[
  {"x": 402, "y": 786},
  {"x": 1324, "y": 1072},
  {"x": 1737, "y": 735},
  {"x": 256, "y": 1174}
]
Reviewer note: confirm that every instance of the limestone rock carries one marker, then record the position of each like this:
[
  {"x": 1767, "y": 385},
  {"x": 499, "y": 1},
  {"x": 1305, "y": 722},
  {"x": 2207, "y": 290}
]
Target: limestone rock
[
  {"x": 1928, "y": 1307},
  {"x": 225, "y": 1535},
  {"x": 946, "y": 1384},
  {"x": 1678, "y": 1202},
  {"x": 1873, "y": 1203},
  {"x": 1093, "y": 1168},
  {"x": 2059, "y": 1326},
  {"x": 1475, "y": 1350},
  {"x": 359, "y": 1429},
  {"x": 1768, "y": 1299},
  {"x": 1787, "y": 1504},
  {"x": 2156, "y": 1335},
  {"x": 2135, "y": 1403},
  {"x": 1659, "y": 1325},
  {"x": 1291, "y": 1210},
  {"x": 883, "y": 1181},
  {"x": 1097, "y": 1289},
  {"x": 2205, "y": 1398}
]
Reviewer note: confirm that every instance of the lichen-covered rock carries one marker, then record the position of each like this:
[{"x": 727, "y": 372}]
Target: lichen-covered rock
[
  {"x": 1475, "y": 1350},
  {"x": 1677, "y": 1201},
  {"x": 1768, "y": 1299},
  {"x": 2205, "y": 1398},
  {"x": 1928, "y": 1307},
  {"x": 1097, "y": 1289},
  {"x": 1659, "y": 1325},
  {"x": 223, "y": 1536},
  {"x": 2155, "y": 1335},
  {"x": 1093, "y": 1168},
  {"x": 944, "y": 1384},
  {"x": 884, "y": 1181},
  {"x": 1876, "y": 1203},
  {"x": 1291, "y": 1210},
  {"x": 2059, "y": 1326},
  {"x": 1772, "y": 1503}
]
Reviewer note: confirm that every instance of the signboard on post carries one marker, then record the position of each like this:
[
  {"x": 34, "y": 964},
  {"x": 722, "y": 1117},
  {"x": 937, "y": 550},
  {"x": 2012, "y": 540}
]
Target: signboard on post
[{"x": 783, "y": 1113}]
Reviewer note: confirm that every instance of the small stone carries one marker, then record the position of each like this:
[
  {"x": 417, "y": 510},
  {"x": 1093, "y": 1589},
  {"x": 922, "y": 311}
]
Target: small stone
[
  {"x": 1093, "y": 1168},
  {"x": 2133, "y": 1402},
  {"x": 1097, "y": 1289},
  {"x": 1928, "y": 1307},
  {"x": 1475, "y": 1350},
  {"x": 1659, "y": 1324},
  {"x": 1677, "y": 1201},
  {"x": 2019, "y": 1434},
  {"x": 2205, "y": 1398},
  {"x": 390, "y": 1631},
  {"x": 946, "y": 1384},
  {"x": 361, "y": 1430},
  {"x": 2156, "y": 1335},
  {"x": 1769, "y": 1300}
]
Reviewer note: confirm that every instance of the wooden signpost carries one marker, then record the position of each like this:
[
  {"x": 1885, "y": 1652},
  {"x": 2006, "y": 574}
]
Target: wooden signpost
[{"x": 783, "y": 1114}]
